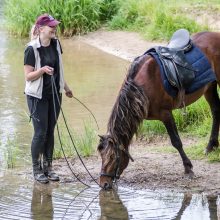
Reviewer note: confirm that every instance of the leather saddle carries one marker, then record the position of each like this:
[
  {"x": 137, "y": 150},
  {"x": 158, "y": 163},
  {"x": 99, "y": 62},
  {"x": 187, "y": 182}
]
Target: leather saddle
[{"x": 178, "y": 71}]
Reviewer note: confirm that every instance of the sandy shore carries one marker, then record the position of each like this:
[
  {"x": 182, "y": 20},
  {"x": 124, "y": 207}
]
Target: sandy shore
[{"x": 126, "y": 45}]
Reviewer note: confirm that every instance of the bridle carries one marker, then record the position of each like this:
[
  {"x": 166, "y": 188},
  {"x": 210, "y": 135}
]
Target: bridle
[{"x": 119, "y": 149}]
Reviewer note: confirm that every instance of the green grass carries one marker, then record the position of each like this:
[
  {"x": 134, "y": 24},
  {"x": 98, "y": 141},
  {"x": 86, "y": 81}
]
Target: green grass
[
  {"x": 164, "y": 24},
  {"x": 158, "y": 19},
  {"x": 85, "y": 143},
  {"x": 194, "y": 152},
  {"x": 11, "y": 152},
  {"x": 154, "y": 19},
  {"x": 76, "y": 16},
  {"x": 20, "y": 15}
]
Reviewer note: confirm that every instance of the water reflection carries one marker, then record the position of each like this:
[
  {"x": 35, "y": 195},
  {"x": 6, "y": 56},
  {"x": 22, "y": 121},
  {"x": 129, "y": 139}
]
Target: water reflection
[
  {"x": 42, "y": 204},
  {"x": 185, "y": 203},
  {"x": 186, "y": 206},
  {"x": 111, "y": 206},
  {"x": 186, "y": 210},
  {"x": 213, "y": 207},
  {"x": 21, "y": 199}
]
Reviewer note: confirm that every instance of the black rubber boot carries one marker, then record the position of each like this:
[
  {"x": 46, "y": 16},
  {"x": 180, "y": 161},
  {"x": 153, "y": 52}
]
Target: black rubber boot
[
  {"x": 53, "y": 176},
  {"x": 49, "y": 173},
  {"x": 39, "y": 174},
  {"x": 40, "y": 177}
]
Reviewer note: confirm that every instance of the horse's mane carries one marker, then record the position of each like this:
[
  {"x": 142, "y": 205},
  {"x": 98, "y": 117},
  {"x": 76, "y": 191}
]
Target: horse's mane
[
  {"x": 130, "y": 108},
  {"x": 138, "y": 61}
]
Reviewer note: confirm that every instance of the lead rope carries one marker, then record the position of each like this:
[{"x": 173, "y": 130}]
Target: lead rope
[
  {"x": 88, "y": 110},
  {"x": 58, "y": 132},
  {"x": 56, "y": 93}
]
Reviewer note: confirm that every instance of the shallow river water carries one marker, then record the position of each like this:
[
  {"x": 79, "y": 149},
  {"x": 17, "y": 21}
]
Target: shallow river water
[
  {"x": 95, "y": 78},
  {"x": 22, "y": 199}
]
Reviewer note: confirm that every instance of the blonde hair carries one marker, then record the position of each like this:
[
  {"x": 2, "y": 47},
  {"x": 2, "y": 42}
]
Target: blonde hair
[{"x": 34, "y": 33}]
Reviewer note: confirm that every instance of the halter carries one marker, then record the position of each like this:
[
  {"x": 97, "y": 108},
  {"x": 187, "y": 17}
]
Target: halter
[{"x": 118, "y": 150}]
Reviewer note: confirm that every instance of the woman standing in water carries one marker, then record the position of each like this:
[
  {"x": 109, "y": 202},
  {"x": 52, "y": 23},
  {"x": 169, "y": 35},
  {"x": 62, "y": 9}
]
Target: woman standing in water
[{"x": 42, "y": 65}]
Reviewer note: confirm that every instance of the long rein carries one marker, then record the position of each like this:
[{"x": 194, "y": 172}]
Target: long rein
[{"x": 54, "y": 88}]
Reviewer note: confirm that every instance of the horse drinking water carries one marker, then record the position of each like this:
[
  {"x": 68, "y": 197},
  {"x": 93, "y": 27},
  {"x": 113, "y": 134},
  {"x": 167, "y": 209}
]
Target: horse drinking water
[{"x": 144, "y": 95}]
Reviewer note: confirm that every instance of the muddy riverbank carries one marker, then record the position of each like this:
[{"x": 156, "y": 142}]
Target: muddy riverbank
[{"x": 151, "y": 170}]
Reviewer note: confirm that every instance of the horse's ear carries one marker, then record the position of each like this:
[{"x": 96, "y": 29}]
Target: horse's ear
[
  {"x": 100, "y": 146},
  {"x": 101, "y": 137}
]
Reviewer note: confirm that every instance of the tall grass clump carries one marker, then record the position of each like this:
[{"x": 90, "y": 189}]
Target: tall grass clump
[
  {"x": 20, "y": 15},
  {"x": 84, "y": 142},
  {"x": 108, "y": 8},
  {"x": 11, "y": 152},
  {"x": 76, "y": 16},
  {"x": 164, "y": 24},
  {"x": 65, "y": 145},
  {"x": 128, "y": 14},
  {"x": 87, "y": 141}
]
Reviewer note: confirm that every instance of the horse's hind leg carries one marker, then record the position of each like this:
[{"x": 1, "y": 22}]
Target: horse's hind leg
[
  {"x": 212, "y": 98},
  {"x": 168, "y": 120}
]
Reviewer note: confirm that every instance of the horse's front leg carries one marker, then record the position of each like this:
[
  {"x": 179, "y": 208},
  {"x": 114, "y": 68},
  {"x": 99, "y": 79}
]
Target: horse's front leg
[{"x": 169, "y": 122}]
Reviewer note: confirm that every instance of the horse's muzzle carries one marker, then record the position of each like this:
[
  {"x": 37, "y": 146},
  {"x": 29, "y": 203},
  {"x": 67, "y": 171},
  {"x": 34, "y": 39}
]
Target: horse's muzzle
[
  {"x": 106, "y": 182},
  {"x": 107, "y": 186}
]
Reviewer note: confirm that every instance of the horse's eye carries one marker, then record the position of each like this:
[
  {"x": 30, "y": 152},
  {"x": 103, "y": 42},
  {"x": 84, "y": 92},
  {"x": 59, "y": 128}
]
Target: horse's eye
[
  {"x": 100, "y": 147},
  {"x": 112, "y": 157}
]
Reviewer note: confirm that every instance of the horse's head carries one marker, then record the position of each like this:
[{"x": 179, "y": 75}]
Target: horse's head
[{"x": 115, "y": 159}]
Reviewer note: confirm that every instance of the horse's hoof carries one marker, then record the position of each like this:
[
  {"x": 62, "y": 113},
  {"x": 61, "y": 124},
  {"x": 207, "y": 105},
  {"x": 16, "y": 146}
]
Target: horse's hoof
[
  {"x": 212, "y": 146},
  {"x": 209, "y": 150},
  {"x": 206, "y": 152},
  {"x": 190, "y": 175}
]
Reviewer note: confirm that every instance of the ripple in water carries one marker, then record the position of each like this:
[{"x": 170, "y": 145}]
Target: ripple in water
[{"x": 71, "y": 201}]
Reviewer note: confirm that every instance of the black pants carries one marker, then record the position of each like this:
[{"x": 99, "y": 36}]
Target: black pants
[{"x": 44, "y": 121}]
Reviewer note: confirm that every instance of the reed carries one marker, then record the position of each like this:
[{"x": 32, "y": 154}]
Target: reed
[
  {"x": 154, "y": 19},
  {"x": 84, "y": 142},
  {"x": 76, "y": 16},
  {"x": 11, "y": 152}
]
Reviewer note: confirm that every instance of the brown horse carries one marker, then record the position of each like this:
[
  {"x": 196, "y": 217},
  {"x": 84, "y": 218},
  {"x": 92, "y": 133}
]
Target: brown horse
[{"x": 143, "y": 96}]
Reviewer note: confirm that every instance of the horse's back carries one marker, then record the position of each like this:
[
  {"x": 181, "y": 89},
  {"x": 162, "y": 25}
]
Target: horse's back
[
  {"x": 209, "y": 43},
  {"x": 210, "y": 40}
]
